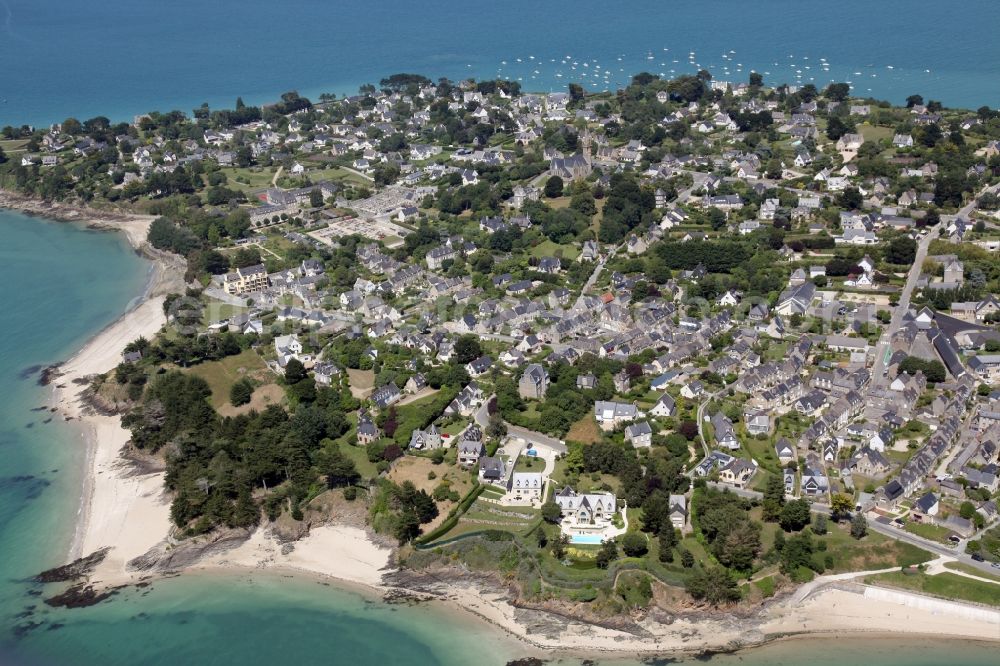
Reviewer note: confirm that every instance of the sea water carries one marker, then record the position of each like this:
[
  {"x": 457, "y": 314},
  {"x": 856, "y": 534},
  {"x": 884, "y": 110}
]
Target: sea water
[{"x": 119, "y": 58}]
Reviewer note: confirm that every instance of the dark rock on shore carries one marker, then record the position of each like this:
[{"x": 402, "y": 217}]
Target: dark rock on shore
[
  {"x": 74, "y": 570},
  {"x": 48, "y": 375},
  {"x": 80, "y": 596}
]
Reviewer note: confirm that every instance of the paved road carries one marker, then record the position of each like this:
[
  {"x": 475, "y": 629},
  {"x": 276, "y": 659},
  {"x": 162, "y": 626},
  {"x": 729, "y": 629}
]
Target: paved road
[
  {"x": 882, "y": 349},
  {"x": 911, "y": 282},
  {"x": 700, "y": 415}
]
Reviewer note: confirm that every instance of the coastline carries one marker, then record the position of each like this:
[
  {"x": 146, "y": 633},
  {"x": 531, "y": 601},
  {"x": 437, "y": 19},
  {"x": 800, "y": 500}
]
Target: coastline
[{"x": 127, "y": 509}]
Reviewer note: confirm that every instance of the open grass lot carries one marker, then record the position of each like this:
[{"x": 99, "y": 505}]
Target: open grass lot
[
  {"x": 337, "y": 173},
  {"x": 361, "y": 381},
  {"x": 13, "y": 145},
  {"x": 221, "y": 375},
  {"x": 249, "y": 179},
  {"x": 945, "y": 585},
  {"x": 875, "y": 551},
  {"x": 874, "y": 133},
  {"x": 483, "y": 515},
  {"x": 417, "y": 470},
  {"x": 268, "y": 394},
  {"x": 360, "y": 457},
  {"x": 585, "y": 430},
  {"x": 929, "y": 531},
  {"x": 549, "y": 249},
  {"x": 217, "y": 311}
]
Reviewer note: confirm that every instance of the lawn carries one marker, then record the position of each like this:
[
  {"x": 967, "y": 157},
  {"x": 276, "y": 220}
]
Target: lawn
[
  {"x": 248, "y": 180},
  {"x": 945, "y": 585},
  {"x": 875, "y": 551},
  {"x": 874, "y": 133},
  {"x": 221, "y": 375},
  {"x": 361, "y": 381},
  {"x": 359, "y": 455},
  {"x": 929, "y": 531},
  {"x": 218, "y": 311},
  {"x": 585, "y": 430},
  {"x": 547, "y": 248},
  {"x": 483, "y": 515}
]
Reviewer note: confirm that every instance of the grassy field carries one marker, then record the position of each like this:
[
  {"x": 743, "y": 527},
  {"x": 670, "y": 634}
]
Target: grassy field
[
  {"x": 360, "y": 457},
  {"x": 249, "y": 179},
  {"x": 585, "y": 430},
  {"x": 484, "y": 515},
  {"x": 928, "y": 531},
  {"x": 873, "y": 133},
  {"x": 221, "y": 375},
  {"x": 549, "y": 249},
  {"x": 13, "y": 145},
  {"x": 873, "y": 552},
  {"x": 361, "y": 381},
  {"x": 945, "y": 585}
]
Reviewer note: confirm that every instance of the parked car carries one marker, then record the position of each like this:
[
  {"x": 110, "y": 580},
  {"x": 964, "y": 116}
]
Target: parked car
[
  {"x": 977, "y": 557},
  {"x": 995, "y": 565}
]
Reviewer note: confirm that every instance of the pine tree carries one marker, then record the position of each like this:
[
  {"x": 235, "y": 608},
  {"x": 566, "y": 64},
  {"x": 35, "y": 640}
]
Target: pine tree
[
  {"x": 774, "y": 498},
  {"x": 859, "y": 526}
]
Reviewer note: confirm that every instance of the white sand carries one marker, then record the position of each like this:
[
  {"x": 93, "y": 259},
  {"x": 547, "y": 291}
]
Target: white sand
[{"x": 331, "y": 551}]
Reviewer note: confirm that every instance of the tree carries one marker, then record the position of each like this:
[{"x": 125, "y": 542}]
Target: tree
[
  {"x": 837, "y": 92},
  {"x": 859, "y": 526},
  {"x": 687, "y": 559},
  {"x": 795, "y": 515},
  {"x": 607, "y": 554},
  {"x": 3, "y": 155},
  {"x": 914, "y": 100},
  {"x": 850, "y": 198},
  {"x": 634, "y": 544},
  {"x": 689, "y": 429},
  {"x": 316, "y": 199},
  {"x": 241, "y": 392},
  {"x": 554, "y": 187},
  {"x": 902, "y": 250},
  {"x": 667, "y": 539},
  {"x": 836, "y": 127},
  {"x": 841, "y": 505},
  {"x": 559, "y": 547},
  {"x": 819, "y": 524},
  {"x": 551, "y": 512},
  {"x": 774, "y": 498},
  {"x": 967, "y": 510},
  {"x": 575, "y": 92},
  {"x": 407, "y": 527},
  {"x": 713, "y": 584},
  {"x": 295, "y": 372},
  {"x": 467, "y": 348},
  {"x": 497, "y": 428},
  {"x": 756, "y": 80},
  {"x": 340, "y": 470}
]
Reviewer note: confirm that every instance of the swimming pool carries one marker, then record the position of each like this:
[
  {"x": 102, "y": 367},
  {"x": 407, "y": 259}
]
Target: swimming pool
[{"x": 593, "y": 539}]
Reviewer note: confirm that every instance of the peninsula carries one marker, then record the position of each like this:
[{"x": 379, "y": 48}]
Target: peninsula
[{"x": 686, "y": 367}]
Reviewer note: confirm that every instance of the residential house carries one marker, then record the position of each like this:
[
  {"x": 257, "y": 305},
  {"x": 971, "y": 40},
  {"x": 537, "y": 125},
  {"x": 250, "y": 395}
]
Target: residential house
[{"x": 534, "y": 382}]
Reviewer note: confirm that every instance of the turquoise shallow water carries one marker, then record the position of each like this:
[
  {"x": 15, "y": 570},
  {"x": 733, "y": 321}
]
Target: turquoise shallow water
[
  {"x": 122, "y": 57},
  {"x": 62, "y": 284}
]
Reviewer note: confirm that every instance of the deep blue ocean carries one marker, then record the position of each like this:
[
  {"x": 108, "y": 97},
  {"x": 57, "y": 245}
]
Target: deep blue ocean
[{"x": 117, "y": 58}]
